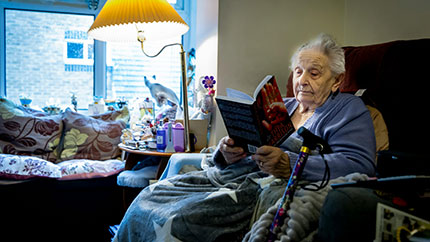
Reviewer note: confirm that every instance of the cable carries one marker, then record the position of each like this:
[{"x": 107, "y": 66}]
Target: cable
[
  {"x": 325, "y": 180},
  {"x": 399, "y": 233}
]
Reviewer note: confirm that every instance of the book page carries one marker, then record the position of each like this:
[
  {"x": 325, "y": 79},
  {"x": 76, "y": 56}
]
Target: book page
[
  {"x": 237, "y": 94},
  {"x": 261, "y": 85}
]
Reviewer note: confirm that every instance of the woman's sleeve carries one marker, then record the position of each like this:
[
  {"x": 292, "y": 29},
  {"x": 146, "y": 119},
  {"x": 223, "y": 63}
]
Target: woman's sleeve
[
  {"x": 350, "y": 135},
  {"x": 218, "y": 159}
]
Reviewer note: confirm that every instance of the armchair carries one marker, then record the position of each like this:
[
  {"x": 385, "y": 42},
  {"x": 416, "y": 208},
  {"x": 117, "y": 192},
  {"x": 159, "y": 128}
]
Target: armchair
[{"x": 384, "y": 69}]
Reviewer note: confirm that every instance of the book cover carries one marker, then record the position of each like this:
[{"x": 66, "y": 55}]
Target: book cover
[{"x": 256, "y": 121}]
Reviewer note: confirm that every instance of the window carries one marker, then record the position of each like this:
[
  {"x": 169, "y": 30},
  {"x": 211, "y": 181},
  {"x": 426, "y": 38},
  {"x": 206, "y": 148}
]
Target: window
[
  {"x": 47, "y": 56},
  {"x": 47, "y": 59},
  {"x": 127, "y": 67}
]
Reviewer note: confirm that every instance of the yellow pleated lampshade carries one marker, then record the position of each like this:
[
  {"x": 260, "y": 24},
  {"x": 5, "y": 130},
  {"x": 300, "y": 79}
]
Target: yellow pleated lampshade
[{"x": 120, "y": 20}]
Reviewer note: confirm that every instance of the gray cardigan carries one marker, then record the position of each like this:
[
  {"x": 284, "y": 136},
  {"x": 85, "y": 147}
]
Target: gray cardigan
[{"x": 345, "y": 123}]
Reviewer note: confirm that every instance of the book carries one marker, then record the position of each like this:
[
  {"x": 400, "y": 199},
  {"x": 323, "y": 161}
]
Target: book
[{"x": 256, "y": 121}]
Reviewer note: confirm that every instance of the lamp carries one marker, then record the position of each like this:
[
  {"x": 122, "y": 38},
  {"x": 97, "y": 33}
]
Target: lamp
[{"x": 144, "y": 20}]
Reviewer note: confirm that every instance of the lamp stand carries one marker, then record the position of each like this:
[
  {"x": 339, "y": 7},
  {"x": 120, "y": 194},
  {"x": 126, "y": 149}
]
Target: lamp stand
[
  {"x": 184, "y": 90},
  {"x": 185, "y": 101}
]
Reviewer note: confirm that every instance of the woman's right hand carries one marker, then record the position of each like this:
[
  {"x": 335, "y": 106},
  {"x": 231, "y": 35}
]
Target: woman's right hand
[{"x": 230, "y": 152}]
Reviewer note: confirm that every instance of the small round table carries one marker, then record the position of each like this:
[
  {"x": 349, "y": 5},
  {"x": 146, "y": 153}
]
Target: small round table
[{"x": 132, "y": 156}]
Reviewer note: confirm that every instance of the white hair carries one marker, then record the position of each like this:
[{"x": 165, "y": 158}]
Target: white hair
[{"x": 325, "y": 44}]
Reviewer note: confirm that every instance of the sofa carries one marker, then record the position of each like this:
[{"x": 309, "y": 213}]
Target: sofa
[
  {"x": 391, "y": 79},
  {"x": 58, "y": 174}
]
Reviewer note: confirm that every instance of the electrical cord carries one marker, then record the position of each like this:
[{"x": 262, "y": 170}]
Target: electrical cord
[
  {"x": 325, "y": 180},
  {"x": 401, "y": 236},
  {"x": 407, "y": 233}
]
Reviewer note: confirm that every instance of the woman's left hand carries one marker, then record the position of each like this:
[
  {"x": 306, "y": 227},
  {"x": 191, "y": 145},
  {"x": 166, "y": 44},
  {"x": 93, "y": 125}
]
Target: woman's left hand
[{"x": 273, "y": 160}]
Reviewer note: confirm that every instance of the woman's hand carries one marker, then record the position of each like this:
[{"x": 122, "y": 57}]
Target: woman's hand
[
  {"x": 273, "y": 160},
  {"x": 230, "y": 152}
]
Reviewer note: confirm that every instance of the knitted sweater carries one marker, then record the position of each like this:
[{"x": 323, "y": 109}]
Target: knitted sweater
[{"x": 345, "y": 123}]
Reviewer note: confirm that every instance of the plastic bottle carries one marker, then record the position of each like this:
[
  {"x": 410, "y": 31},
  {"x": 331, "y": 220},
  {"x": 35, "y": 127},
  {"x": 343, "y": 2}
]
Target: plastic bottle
[
  {"x": 178, "y": 137},
  {"x": 161, "y": 139},
  {"x": 147, "y": 108}
]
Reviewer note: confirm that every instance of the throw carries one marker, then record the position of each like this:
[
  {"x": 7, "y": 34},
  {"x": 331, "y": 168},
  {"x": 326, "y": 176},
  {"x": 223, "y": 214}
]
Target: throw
[
  {"x": 302, "y": 220},
  {"x": 197, "y": 206}
]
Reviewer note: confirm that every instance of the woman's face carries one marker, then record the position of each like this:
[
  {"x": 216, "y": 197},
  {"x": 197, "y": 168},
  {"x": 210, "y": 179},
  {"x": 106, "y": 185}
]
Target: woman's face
[{"x": 312, "y": 80}]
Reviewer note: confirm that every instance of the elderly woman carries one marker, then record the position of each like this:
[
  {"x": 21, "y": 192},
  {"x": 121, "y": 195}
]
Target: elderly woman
[
  {"x": 340, "y": 119},
  {"x": 218, "y": 203}
]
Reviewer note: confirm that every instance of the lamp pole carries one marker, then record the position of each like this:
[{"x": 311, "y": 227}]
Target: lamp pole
[
  {"x": 187, "y": 144},
  {"x": 185, "y": 101}
]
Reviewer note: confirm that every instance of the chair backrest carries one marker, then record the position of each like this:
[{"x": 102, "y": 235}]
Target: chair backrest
[{"x": 396, "y": 75}]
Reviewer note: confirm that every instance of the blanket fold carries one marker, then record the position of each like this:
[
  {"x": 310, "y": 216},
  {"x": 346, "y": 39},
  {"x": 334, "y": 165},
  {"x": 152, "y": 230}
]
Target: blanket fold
[
  {"x": 197, "y": 206},
  {"x": 303, "y": 215},
  {"x": 210, "y": 204}
]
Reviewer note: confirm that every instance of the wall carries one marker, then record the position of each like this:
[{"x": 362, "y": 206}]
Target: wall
[
  {"x": 258, "y": 37},
  {"x": 206, "y": 32},
  {"x": 206, "y": 37},
  {"x": 370, "y": 22}
]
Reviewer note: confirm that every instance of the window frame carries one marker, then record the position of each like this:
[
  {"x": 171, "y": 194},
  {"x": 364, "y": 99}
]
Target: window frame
[
  {"x": 99, "y": 47},
  {"x": 86, "y": 59}
]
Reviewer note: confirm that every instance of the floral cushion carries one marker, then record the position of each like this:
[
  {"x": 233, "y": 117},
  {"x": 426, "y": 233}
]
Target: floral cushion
[
  {"x": 84, "y": 169},
  {"x": 122, "y": 114},
  {"x": 24, "y": 167},
  {"x": 24, "y": 131},
  {"x": 89, "y": 138}
]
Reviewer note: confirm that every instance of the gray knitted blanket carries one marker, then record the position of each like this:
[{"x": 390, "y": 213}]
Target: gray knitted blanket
[
  {"x": 301, "y": 223},
  {"x": 196, "y": 206}
]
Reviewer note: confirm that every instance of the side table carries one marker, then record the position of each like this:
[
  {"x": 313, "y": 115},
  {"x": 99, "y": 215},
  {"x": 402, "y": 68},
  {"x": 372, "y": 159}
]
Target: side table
[{"x": 132, "y": 157}]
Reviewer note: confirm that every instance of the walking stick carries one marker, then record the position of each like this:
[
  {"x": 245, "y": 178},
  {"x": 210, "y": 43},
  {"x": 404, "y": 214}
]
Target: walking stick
[{"x": 310, "y": 142}]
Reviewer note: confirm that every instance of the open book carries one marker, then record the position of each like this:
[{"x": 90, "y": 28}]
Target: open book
[{"x": 255, "y": 121}]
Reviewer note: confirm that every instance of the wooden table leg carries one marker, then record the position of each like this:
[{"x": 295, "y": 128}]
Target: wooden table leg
[{"x": 131, "y": 160}]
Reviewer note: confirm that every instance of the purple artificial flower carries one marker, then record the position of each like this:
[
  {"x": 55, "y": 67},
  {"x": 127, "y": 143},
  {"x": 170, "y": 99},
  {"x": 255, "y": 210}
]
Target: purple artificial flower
[{"x": 208, "y": 82}]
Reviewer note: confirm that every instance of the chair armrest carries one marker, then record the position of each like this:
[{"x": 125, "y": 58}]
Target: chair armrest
[
  {"x": 394, "y": 163},
  {"x": 177, "y": 161}
]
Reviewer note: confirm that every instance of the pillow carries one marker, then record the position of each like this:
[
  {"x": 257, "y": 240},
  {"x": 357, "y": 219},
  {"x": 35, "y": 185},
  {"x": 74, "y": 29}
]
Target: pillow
[
  {"x": 381, "y": 131},
  {"x": 89, "y": 138},
  {"x": 24, "y": 167},
  {"x": 24, "y": 131},
  {"x": 122, "y": 114},
  {"x": 84, "y": 169}
]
